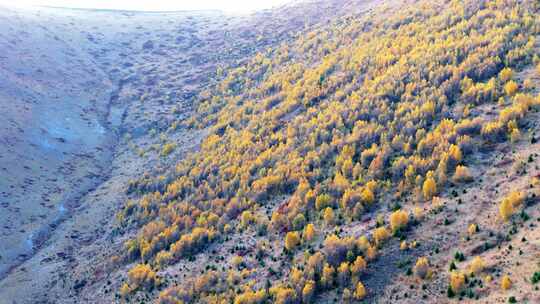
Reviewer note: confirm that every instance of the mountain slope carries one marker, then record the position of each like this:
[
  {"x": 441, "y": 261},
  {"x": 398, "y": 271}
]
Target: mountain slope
[{"x": 363, "y": 128}]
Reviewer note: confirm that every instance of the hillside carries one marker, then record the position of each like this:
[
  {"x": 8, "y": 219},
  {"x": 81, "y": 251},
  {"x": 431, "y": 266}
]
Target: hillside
[{"x": 320, "y": 152}]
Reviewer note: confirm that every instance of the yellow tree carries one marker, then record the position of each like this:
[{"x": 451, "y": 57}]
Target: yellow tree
[
  {"x": 329, "y": 216},
  {"x": 327, "y": 278},
  {"x": 360, "y": 291},
  {"x": 477, "y": 265},
  {"x": 421, "y": 269},
  {"x": 292, "y": 239},
  {"x": 358, "y": 266},
  {"x": 506, "y": 282},
  {"x": 308, "y": 291},
  {"x": 380, "y": 234},
  {"x": 506, "y": 209},
  {"x": 457, "y": 281},
  {"x": 344, "y": 274},
  {"x": 506, "y": 74},
  {"x": 462, "y": 175},
  {"x": 398, "y": 220},
  {"x": 510, "y": 88},
  {"x": 473, "y": 228},
  {"x": 429, "y": 188},
  {"x": 142, "y": 275},
  {"x": 309, "y": 232},
  {"x": 367, "y": 196},
  {"x": 455, "y": 153}
]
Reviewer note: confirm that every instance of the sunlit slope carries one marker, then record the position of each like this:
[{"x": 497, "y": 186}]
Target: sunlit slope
[{"x": 327, "y": 150}]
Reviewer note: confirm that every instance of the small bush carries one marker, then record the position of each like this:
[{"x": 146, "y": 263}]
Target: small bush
[
  {"x": 167, "y": 149},
  {"x": 536, "y": 277},
  {"x": 458, "y": 256}
]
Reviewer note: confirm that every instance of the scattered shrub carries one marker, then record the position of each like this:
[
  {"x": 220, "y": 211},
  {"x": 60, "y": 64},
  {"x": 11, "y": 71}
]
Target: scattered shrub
[{"x": 536, "y": 277}]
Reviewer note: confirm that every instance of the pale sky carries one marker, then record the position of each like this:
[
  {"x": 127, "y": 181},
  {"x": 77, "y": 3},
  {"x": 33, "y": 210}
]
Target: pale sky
[{"x": 154, "y": 5}]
